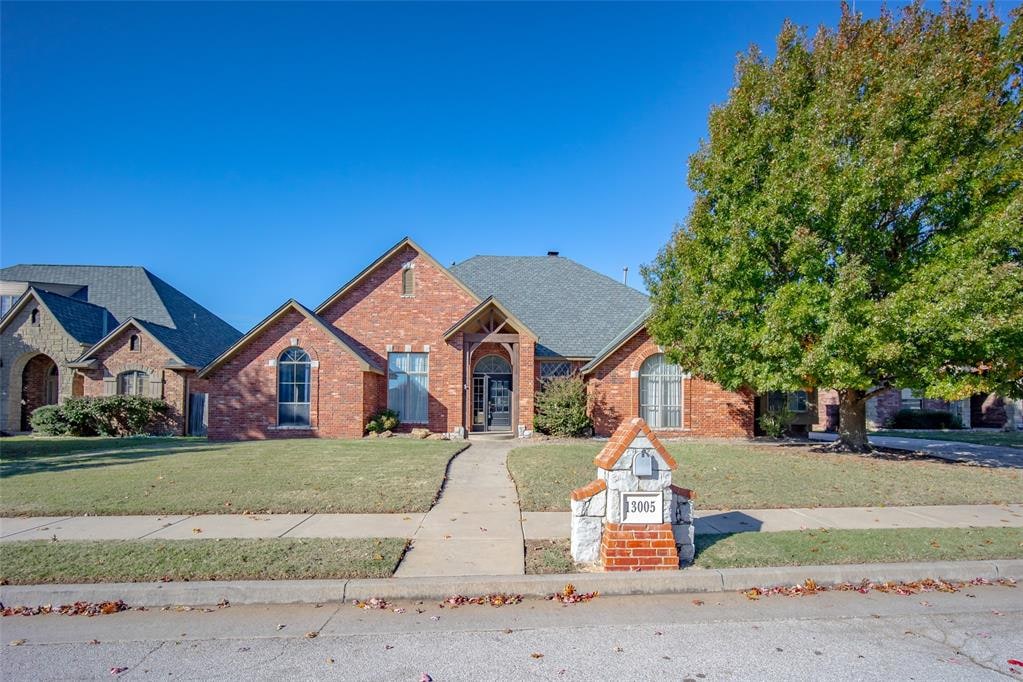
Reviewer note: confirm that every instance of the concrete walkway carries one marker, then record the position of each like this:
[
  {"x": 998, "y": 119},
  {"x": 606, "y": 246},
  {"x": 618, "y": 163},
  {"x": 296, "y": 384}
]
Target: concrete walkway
[
  {"x": 475, "y": 528},
  {"x": 986, "y": 455},
  {"x": 453, "y": 531},
  {"x": 554, "y": 525}
]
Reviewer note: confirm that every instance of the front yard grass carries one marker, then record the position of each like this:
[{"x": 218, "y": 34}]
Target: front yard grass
[
  {"x": 1012, "y": 439},
  {"x": 816, "y": 547},
  {"x": 190, "y": 477},
  {"x": 749, "y": 476},
  {"x": 43, "y": 561}
]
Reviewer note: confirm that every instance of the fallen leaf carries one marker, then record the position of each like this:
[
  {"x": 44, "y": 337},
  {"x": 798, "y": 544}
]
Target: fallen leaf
[
  {"x": 280, "y": 626},
  {"x": 425, "y": 678},
  {"x": 197, "y": 530},
  {"x": 17, "y": 642},
  {"x": 330, "y": 660},
  {"x": 1016, "y": 662},
  {"x": 698, "y": 602},
  {"x": 312, "y": 634},
  {"x": 118, "y": 670},
  {"x": 536, "y": 654}
]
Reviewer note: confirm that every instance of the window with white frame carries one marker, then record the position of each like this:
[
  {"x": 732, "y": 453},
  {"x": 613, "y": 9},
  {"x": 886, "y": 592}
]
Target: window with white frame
[
  {"x": 549, "y": 370},
  {"x": 911, "y": 399},
  {"x": 6, "y": 303},
  {"x": 797, "y": 401},
  {"x": 132, "y": 383},
  {"x": 408, "y": 386},
  {"x": 293, "y": 381},
  {"x": 660, "y": 393}
]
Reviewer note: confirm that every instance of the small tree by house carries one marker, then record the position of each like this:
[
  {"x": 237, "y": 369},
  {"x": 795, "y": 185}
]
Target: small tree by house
[
  {"x": 561, "y": 407},
  {"x": 857, "y": 216}
]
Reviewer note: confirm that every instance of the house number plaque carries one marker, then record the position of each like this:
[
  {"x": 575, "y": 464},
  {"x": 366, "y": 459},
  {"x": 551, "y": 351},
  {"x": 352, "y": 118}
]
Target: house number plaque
[{"x": 642, "y": 507}]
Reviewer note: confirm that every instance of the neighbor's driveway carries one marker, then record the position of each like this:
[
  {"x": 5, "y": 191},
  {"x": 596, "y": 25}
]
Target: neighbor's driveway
[{"x": 987, "y": 455}]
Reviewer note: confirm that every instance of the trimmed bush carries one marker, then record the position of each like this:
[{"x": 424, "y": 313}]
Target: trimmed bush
[
  {"x": 48, "y": 421},
  {"x": 385, "y": 420},
  {"x": 115, "y": 415},
  {"x": 561, "y": 407},
  {"x": 924, "y": 419},
  {"x": 776, "y": 422}
]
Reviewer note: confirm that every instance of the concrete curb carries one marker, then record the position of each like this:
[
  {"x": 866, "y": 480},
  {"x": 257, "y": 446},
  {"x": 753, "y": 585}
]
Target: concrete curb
[{"x": 691, "y": 580}]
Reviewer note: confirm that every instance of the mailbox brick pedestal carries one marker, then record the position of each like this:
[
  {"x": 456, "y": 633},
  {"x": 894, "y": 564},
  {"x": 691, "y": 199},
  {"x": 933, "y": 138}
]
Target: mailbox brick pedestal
[{"x": 631, "y": 517}]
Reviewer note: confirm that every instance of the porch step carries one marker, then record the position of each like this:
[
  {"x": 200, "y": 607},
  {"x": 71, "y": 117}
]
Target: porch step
[{"x": 492, "y": 436}]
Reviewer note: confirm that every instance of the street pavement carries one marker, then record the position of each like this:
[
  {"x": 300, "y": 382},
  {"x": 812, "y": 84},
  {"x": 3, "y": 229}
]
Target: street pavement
[
  {"x": 984, "y": 455},
  {"x": 969, "y": 635}
]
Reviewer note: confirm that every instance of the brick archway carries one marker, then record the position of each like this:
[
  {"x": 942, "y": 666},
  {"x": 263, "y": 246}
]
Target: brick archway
[{"x": 40, "y": 385}]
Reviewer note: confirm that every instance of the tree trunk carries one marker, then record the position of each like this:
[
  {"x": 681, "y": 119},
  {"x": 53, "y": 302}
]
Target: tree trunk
[{"x": 852, "y": 421}]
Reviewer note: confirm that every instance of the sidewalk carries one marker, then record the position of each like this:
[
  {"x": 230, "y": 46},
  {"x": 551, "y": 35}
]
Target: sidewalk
[
  {"x": 986, "y": 455},
  {"x": 476, "y": 528}
]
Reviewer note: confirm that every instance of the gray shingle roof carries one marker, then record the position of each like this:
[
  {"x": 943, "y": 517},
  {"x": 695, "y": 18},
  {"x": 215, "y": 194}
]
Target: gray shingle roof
[
  {"x": 574, "y": 310},
  {"x": 84, "y": 321},
  {"x": 191, "y": 331}
]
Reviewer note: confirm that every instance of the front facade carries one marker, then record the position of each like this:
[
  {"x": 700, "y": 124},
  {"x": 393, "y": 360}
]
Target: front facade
[
  {"x": 99, "y": 330},
  {"x": 458, "y": 350}
]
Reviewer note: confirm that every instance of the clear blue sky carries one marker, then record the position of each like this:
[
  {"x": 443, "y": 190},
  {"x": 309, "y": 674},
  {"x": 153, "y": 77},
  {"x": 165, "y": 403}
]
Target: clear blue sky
[{"x": 252, "y": 152}]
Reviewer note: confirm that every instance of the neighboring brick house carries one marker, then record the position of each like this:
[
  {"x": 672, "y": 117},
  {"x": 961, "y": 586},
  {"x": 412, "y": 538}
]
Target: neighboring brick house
[
  {"x": 881, "y": 409},
  {"x": 456, "y": 350},
  {"x": 76, "y": 330}
]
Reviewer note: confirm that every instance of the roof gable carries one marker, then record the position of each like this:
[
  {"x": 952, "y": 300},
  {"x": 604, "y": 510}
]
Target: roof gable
[
  {"x": 372, "y": 267},
  {"x": 574, "y": 311},
  {"x": 617, "y": 342},
  {"x": 141, "y": 326},
  {"x": 492, "y": 305},
  {"x": 195, "y": 333},
  {"x": 346, "y": 342},
  {"x": 84, "y": 322}
]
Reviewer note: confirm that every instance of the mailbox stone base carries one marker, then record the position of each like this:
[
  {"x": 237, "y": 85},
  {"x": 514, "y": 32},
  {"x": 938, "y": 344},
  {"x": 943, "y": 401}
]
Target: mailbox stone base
[{"x": 635, "y": 547}]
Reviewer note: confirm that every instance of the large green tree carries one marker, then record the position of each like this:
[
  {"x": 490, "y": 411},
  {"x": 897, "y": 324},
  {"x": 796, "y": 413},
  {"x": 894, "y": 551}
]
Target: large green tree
[{"x": 858, "y": 216}]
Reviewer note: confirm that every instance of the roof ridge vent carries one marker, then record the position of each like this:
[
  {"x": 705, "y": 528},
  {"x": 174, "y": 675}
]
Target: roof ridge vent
[{"x": 552, "y": 253}]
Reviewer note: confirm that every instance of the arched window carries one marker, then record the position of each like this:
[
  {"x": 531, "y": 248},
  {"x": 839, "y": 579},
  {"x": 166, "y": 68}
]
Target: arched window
[
  {"x": 134, "y": 342},
  {"x": 34, "y": 316},
  {"x": 408, "y": 281},
  {"x": 132, "y": 383},
  {"x": 660, "y": 393},
  {"x": 293, "y": 370},
  {"x": 492, "y": 364}
]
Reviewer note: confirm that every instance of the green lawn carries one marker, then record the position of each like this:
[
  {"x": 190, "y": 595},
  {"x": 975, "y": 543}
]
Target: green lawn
[
  {"x": 187, "y": 476},
  {"x": 30, "y": 446},
  {"x": 741, "y": 476},
  {"x": 43, "y": 561},
  {"x": 812, "y": 547},
  {"x": 1012, "y": 439}
]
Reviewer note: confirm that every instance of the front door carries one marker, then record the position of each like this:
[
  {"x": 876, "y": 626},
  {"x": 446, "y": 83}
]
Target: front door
[{"x": 491, "y": 402}]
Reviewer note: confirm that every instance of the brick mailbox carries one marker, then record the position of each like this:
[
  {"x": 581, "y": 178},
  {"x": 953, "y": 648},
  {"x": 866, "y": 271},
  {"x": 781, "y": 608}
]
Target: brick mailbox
[{"x": 631, "y": 518}]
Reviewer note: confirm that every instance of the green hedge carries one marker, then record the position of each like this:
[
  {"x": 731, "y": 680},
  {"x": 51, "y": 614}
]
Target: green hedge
[
  {"x": 115, "y": 415},
  {"x": 924, "y": 419}
]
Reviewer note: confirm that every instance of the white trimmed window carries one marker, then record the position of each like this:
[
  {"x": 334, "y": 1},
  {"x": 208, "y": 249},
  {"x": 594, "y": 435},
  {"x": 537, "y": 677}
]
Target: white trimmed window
[
  {"x": 408, "y": 386},
  {"x": 293, "y": 379},
  {"x": 911, "y": 399},
  {"x": 132, "y": 383},
  {"x": 660, "y": 393}
]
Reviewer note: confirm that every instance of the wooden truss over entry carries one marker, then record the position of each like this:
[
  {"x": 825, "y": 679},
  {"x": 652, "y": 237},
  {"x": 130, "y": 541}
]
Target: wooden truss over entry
[{"x": 489, "y": 323}]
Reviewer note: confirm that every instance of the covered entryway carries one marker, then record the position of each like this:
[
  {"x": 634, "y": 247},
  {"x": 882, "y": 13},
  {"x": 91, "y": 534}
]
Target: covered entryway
[
  {"x": 40, "y": 385},
  {"x": 495, "y": 371},
  {"x": 492, "y": 391}
]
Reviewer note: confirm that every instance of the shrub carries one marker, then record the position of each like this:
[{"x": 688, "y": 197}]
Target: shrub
[
  {"x": 775, "y": 423},
  {"x": 561, "y": 407},
  {"x": 129, "y": 415},
  {"x": 80, "y": 416},
  {"x": 48, "y": 421},
  {"x": 385, "y": 420},
  {"x": 115, "y": 415},
  {"x": 924, "y": 419}
]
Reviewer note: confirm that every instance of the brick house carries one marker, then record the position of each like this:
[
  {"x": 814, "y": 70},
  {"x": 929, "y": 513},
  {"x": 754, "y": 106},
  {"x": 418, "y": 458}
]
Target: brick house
[
  {"x": 71, "y": 330},
  {"x": 458, "y": 350},
  {"x": 981, "y": 410}
]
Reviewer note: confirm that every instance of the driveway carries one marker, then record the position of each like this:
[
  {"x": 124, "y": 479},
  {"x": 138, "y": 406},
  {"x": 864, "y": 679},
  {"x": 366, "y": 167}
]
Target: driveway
[{"x": 985, "y": 455}]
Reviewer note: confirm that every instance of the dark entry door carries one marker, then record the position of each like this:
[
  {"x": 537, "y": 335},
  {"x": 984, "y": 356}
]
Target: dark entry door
[
  {"x": 499, "y": 403},
  {"x": 491, "y": 402}
]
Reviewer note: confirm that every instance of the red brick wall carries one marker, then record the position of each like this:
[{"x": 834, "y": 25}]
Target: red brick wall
[
  {"x": 375, "y": 314},
  {"x": 33, "y": 385},
  {"x": 645, "y": 547},
  {"x": 243, "y": 400},
  {"x": 707, "y": 411},
  {"x": 116, "y": 357}
]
